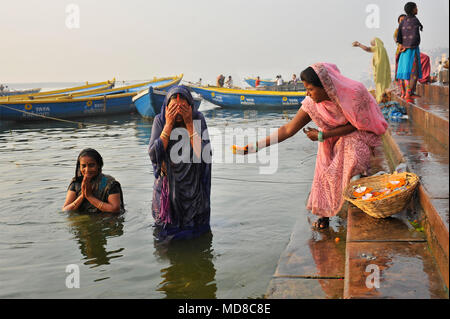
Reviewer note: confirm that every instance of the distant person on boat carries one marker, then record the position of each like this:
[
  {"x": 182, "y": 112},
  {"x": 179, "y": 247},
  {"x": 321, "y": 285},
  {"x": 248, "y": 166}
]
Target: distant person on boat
[
  {"x": 279, "y": 80},
  {"x": 180, "y": 152},
  {"x": 380, "y": 65},
  {"x": 91, "y": 191},
  {"x": 409, "y": 65},
  {"x": 257, "y": 82},
  {"x": 199, "y": 82},
  {"x": 229, "y": 82},
  {"x": 220, "y": 81},
  {"x": 294, "y": 79},
  {"x": 350, "y": 125}
]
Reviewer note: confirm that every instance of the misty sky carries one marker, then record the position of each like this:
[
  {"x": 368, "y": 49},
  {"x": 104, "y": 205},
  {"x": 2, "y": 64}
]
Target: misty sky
[{"x": 139, "y": 39}]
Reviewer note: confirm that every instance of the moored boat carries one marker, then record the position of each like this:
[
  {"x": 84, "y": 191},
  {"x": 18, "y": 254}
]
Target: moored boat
[
  {"x": 4, "y": 92},
  {"x": 114, "y": 101},
  {"x": 66, "y": 91},
  {"x": 148, "y": 102},
  {"x": 247, "y": 99}
]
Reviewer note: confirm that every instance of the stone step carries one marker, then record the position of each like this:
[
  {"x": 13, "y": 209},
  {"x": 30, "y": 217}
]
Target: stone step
[
  {"x": 387, "y": 258},
  {"x": 312, "y": 265}
]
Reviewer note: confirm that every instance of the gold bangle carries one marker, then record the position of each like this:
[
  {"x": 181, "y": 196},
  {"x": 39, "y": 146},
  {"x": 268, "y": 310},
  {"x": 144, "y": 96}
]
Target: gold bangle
[
  {"x": 193, "y": 134},
  {"x": 101, "y": 205},
  {"x": 165, "y": 135}
]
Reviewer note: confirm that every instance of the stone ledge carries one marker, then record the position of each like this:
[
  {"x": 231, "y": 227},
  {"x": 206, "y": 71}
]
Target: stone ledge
[{"x": 405, "y": 271}]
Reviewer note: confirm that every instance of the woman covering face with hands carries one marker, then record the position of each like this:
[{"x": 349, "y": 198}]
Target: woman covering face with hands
[{"x": 180, "y": 152}]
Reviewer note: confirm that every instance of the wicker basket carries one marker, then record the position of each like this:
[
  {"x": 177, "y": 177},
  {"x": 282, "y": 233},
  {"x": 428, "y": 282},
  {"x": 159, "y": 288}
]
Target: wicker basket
[{"x": 386, "y": 206}]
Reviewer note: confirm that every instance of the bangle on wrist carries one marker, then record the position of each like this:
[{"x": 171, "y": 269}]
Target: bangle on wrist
[
  {"x": 165, "y": 135},
  {"x": 101, "y": 205},
  {"x": 320, "y": 136},
  {"x": 193, "y": 134}
]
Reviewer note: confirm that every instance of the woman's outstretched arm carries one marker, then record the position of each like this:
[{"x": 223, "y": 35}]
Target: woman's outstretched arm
[
  {"x": 286, "y": 131},
  {"x": 357, "y": 44}
]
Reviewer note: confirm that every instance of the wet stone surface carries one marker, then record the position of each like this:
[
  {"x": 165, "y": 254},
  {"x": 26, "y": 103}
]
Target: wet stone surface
[
  {"x": 313, "y": 254},
  {"x": 429, "y": 160},
  {"x": 302, "y": 288},
  {"x": 403, "y": 269},
  {"x": 362, "y": 227}
]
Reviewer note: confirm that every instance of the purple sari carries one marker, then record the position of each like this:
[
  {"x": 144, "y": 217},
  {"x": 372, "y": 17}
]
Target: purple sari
[{"x": 181, "y": 192}]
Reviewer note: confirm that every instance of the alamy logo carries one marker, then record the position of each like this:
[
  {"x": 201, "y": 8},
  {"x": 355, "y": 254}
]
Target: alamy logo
[
  {"x": 373, "y": 19},
  {"x": 72, "y": 16},
  {"x": 373, "y": 279},
  {"x": 73, "y": 279}
]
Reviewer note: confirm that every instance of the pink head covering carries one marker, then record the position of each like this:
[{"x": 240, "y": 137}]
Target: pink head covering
[{"x": 358, "y": 106}]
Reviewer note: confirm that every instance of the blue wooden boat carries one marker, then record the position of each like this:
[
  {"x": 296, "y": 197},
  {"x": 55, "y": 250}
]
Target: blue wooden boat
[
  {"x": 4, "y": 92},
  {"x": 82, "y": 89},
  {"x": 148, "y": 102},
  {"x": 265, "y": 82},
  {"x": 113, "y": 101},
  {"x": 250, "y": 99}
]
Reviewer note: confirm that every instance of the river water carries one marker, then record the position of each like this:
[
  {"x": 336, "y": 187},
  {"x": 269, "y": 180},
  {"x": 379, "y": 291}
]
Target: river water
[{"x": 252, "y": 214}]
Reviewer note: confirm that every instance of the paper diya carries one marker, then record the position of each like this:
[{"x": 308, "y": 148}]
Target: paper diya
[
  {"x": 367, "y": 196},
  {"x": 396, "y": 183},
  {"x": 361, "y": 191}
]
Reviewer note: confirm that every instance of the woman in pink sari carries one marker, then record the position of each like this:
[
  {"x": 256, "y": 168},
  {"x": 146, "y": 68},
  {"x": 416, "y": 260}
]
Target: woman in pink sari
[{"x": 350, "y": 124}]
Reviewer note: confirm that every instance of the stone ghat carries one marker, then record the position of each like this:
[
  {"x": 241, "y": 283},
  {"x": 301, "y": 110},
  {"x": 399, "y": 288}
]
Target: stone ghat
[{"x": 338, "y": 262}]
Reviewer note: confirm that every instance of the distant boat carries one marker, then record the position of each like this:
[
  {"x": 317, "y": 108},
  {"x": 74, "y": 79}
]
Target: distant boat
[
  {"x": 250, "y": 99},
  {"x": 148, "y": 102},
  {"x": 66, "y": 91},
  {"x": 113, "y": 101},
  {"x": 8, "y": 92},
  {"x": 266, "y": 82}
]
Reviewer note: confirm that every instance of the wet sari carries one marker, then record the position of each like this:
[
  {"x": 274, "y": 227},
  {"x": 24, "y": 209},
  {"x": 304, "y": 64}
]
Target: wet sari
[
  {"x": 102, "y": 186},
  {"x": 181, "y": 191}
]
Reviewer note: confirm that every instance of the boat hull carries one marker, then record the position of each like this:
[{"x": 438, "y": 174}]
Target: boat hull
[
  {"x": 149, "y": 102},
  {"x": 250, "y": 99},
  {"x": 251, "y": 82},
  {"x": 109, "y": 102}
]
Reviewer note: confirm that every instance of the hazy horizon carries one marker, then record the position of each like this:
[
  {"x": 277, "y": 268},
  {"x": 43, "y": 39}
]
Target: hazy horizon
[{"x": 141, "y": 39}]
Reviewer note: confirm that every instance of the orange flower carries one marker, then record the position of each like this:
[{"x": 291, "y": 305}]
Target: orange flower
[
  {"x": 396, "y": 183},
  {"x": 361, "y": 191}
]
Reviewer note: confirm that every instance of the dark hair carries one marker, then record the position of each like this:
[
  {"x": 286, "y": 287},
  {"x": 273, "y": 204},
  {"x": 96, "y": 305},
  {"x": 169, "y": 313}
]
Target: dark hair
[
  {"x": 400, "y": 16},
  {"x": 310, "y": 76},
  {"x": 90, "y": 152},
  {"x": 409, "y": 7}
]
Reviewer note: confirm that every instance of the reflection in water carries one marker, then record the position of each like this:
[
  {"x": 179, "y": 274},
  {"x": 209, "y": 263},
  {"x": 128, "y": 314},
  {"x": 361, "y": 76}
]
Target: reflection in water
[
  {"x": 191, "y": 273},
  {"x": 329, "y": 254},
  {"x": 92, "y": 231}
]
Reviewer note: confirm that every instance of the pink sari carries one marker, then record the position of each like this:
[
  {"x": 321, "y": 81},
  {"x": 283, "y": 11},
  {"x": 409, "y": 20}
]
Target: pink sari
[
  {"x": 340, "y": 158},
  {"x": 425, "y": 62}
]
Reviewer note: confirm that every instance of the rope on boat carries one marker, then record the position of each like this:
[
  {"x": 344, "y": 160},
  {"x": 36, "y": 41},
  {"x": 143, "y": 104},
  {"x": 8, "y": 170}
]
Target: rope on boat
[{"x": 80, "y": 124}]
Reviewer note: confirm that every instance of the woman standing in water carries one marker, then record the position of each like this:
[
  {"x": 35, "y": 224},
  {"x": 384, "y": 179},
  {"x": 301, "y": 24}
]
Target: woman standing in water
[
  {"x": 90, "y": 191},
  {"x": 409, "y": 69},
  {"x": 350, "y": 124},
  {"x": 380, "y": 65},
  {"x": 180, "y": 153}
]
